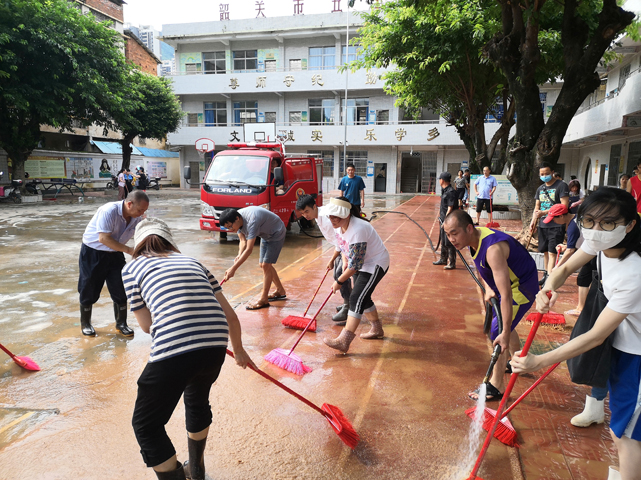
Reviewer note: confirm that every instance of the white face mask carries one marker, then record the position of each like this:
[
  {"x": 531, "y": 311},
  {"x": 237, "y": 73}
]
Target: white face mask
[{"x": 600, "y": 240}]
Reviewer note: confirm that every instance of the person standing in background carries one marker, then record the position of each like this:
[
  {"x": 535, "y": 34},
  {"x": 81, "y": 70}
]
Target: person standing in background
[
  {"x": 484, "y": 186},
  {"x": 460, "y": 183},
  {"x": 353, "y": 187}
]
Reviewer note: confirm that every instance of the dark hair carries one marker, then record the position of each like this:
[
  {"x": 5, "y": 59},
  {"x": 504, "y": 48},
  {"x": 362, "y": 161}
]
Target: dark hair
[
  {"x": 350, "y": 165},
  {"x": 153, "y": 246},
  {"x": 355, "y": 211},
  {"x": 461, "y": 217},
  {"x": 137, "y": 196},
  {"x": 461, "y": 172},
  {"x": 545, "y": 165},
  {"x": 627, "y": 177},
  {"x": 305, "y": 201},
  {"x": 229, "y": 215},
  {"x": 558, "y": 175},
  {"x": 574, "y": 183},
  {"x": 467, "y": 170},
  {"x": 610, "y": 200}
]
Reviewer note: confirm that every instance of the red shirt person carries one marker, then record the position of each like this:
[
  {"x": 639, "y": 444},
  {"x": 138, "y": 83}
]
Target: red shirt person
[{"x": 634, "y": 186}]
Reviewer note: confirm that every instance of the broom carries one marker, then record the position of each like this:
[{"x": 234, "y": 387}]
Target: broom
[
  {"x": 287, "y": 360},
  {"x": 550, "y": 318},
  {"x": 294, "y": 321},
  {"x": 492, "y": 223},
  {"x": 338, "y": 421},
  {"x": 25, "y": 362},
  {"x": 508, "y": 390}
]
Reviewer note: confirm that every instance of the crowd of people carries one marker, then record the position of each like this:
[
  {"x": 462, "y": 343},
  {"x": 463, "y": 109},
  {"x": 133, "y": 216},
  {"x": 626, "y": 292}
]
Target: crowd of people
[{"x": 180, "y": 303}]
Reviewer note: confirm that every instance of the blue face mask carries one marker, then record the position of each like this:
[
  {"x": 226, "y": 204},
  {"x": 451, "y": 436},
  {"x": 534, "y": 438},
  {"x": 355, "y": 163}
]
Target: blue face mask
[{"x": 545, "y": 178}]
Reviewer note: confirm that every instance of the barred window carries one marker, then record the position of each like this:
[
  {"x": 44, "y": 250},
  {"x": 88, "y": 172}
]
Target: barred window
[
  {"x": 358, "y": 158},
  {"x": 328, "y": 161}
]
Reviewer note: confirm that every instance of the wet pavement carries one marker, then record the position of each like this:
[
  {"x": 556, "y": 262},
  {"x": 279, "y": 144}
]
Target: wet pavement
[{"x": 406, "y": 395}]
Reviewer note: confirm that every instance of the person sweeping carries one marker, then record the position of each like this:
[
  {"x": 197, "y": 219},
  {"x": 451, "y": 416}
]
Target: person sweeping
[
  {"x": 367, "y": 260},
  {"x": 180, "y": 303},
  {"x": 509, "y": 273}
]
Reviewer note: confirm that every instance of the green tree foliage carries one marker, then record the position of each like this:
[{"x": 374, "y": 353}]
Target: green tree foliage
[
  {"x": 57, "y": 66},
  {"x": 436, "y": 57},
  {"x": 151, "y": 110}
]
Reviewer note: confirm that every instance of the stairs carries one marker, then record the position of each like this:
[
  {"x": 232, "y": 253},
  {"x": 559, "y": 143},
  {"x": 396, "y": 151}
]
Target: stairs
[{"x": 409, "y": 181}]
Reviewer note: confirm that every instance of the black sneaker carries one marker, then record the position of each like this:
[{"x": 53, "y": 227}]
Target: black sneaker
[{"x": 542, "y": 281}]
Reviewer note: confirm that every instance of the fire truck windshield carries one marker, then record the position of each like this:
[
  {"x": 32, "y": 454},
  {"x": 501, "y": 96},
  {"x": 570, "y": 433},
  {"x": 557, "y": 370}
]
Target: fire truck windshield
[{"x": 232, "y": 169}]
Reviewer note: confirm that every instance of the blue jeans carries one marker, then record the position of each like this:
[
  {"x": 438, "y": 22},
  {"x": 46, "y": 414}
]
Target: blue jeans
[{"x": 599, "y": 393}]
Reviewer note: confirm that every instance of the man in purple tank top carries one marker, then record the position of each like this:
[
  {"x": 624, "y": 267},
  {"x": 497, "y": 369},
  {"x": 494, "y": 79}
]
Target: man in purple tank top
[{"x": 509, "y": 274}]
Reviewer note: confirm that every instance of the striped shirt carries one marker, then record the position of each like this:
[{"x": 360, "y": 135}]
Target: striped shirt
[{"x": 179, "y": 292}]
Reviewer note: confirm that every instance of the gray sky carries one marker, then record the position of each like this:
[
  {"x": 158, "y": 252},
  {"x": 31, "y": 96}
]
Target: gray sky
[{"x": 159, "y": 12}]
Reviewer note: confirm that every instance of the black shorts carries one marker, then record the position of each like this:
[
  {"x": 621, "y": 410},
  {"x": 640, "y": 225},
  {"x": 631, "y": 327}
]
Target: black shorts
[
  {"x": 549, "y": 238},
  {"x": 480, "y": 202},
  {"x": 460, "y": 192},
  {"x": 585, "y": 274},
  {"x": 360, "y": 301}
]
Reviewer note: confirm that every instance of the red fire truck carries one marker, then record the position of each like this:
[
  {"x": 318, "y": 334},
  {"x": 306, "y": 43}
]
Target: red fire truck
[{"x": 247, "y": 174}]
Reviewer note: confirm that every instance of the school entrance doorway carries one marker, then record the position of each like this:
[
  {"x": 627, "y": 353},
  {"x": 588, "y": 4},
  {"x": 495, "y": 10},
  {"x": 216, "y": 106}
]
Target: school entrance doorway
[
  {"x": 380, "y": 177},
  {"x": 411, "y": 172}
]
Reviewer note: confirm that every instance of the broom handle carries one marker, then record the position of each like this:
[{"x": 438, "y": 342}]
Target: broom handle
[
  {"x": 317, "y": 289},
  {"x": 529, "y": 390},
  {"x": 331, "y": 292},
  {"x": 7, "y": 351},
  {"x": 287, "y": 389}
]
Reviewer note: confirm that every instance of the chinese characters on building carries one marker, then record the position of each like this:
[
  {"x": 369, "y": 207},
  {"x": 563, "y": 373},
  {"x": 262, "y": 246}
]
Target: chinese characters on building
[
  {"x": 233, "y": 83},
  {"x": 400, "y": 133},
  {"x": 298, "y": 7},
  {"x": 260, "y": 6},
  {"x": 261, "y": 82},
  {"x": 224, "y": 11},
  {"x": 289, "y": 79},
  {"x": 317, "y": 79},
  {"x": 317, "y": 136},
  {"x": 234, "y": 137},
  {"x": 432, "y": 134},
  {"x": 369, "y": 134},
  {"x": 337, "y": 6},
  {"x": 371, "y": 78}
]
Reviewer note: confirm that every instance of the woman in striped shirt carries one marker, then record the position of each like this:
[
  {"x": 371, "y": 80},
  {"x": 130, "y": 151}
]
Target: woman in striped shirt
[{"x": 179, "y": 302}]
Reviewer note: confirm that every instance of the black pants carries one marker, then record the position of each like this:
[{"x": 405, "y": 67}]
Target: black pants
[
  {"x": 346, "y": 288},
  {"x": 360, "y": 301},
  {"x": 160, "y": 387},
  {"x": 96, "y": 268}
]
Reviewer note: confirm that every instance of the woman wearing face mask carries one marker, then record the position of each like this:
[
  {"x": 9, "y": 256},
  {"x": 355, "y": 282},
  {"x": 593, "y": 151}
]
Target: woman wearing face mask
[
  {"x": 611, "y": 231},
  {"x": 576, "y": 196}
]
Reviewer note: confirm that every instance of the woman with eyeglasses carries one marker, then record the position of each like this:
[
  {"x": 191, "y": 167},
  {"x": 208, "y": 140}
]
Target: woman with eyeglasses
[{"x": 611, "y": 231}]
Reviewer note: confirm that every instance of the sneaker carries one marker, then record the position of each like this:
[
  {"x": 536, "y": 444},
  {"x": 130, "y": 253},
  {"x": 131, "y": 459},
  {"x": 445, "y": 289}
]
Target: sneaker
[{"x": 542, "y": 281}]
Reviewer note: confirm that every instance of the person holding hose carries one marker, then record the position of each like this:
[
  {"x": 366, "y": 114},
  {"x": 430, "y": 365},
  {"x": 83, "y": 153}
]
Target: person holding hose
[
  {"x": 306, "y": 206},
  {"x": 367, "y": 260},
  {"x": 612, "y": 233},
  {"x": 180, "y": 303},
  {"x": 509, "y": 273}
]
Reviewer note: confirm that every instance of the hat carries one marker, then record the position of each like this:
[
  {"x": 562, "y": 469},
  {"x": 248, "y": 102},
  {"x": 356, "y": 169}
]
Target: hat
[
  {"x": 152, "y": 226},
  {"x": 447, "y": 176},
  {"x": 337, "y": 208},
  {"x": 556, "y": 211}
]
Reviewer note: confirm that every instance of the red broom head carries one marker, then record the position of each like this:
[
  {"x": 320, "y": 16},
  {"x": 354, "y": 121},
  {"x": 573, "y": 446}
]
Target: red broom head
[
  {"x": 492, "y": 225},
  {"x": 341, "y": 425},
  {"x": 299, "y": 323},
  {"x": 27, "y": 363},
  {"x": 504, "y": 433},
  {"x": 549, "y": 318}
]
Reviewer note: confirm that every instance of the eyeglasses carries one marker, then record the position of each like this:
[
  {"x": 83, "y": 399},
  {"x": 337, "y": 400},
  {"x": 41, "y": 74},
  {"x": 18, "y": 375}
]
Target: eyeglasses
[{"x": 606, "y": 225}]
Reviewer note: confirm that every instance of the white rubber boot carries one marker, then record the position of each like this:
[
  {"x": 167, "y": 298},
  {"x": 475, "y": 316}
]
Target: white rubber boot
[
  {"x": 593, "y": 412},
  {"x": 613, "y": 474}
]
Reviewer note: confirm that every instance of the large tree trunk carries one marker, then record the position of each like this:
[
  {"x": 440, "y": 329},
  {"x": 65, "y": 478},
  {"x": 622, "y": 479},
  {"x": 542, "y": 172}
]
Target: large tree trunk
[{"x": 19, "y": 139}]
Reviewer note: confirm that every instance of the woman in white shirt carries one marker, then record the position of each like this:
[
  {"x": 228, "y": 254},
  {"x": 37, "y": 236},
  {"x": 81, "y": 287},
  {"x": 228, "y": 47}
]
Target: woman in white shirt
[
  {"x": 366, "y": 259},
  {"x": 610, "y": 227}
]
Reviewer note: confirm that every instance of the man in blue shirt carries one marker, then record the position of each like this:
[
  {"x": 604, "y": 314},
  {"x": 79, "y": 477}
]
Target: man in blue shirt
[
  {"x": 102, "y": 258},
  {"x": 353, "y": 187},
  {"x": 484, "y": 187}
]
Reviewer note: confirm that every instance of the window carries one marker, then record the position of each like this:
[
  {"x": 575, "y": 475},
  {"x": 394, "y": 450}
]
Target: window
[
  {"x": 322, "y": 58},
  {"x": 245, "y": 60},
  {"x": 270, "y": 65},
  {"x": 270, "y": 117},
  {"x": 295, "y": 65},
  {"x": 355, "y": 53},
  {"x": 328, "y": 160},
  {"x": 214, "y": 62},
  {"x": 382, "y": 117},
  {"x": 634, "y": 155},
  {"x": 295, "y": 118},
  {"x": 358, "y": 158},
  {"x": 245, "y": 112},
  {"x": 101, "y": 17},
  {"x": 192, "y": 68},
  {"x": 192, "y": 119},
  {"x": 357, "y": 109},
  {"x": 613, "y": 166},
  {"x": 215, "y": 114},
  {"x": 624, "y": 73},
  {"x": 321, "y": 111}
]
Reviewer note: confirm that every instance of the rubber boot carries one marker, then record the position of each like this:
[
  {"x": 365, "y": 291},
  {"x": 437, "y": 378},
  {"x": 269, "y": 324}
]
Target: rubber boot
[
  {"x": 451, "y": 261},
  {"x": 443, "y": 259},
  {"x": 120, "y": 312},
  {"x": 613, "y": 474},
  {"x": 375, "y": 332},
  {"x": 195, "y": 466},
  {"x": 544, "y": 279},
  {"x": 85, "y": 321},
  {"x": 594, "y": 412},
  {"x": 341, "y": 316},
  {"x": 341, "y": 343},
  {"x": 178, "y": 474}
]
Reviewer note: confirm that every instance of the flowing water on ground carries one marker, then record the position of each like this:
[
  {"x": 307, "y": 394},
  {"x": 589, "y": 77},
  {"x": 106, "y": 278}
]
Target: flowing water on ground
[{"x": 469, "y": 451}]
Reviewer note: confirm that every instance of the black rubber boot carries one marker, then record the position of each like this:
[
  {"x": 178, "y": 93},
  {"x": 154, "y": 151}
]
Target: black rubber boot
[
  {"x": 85, "y": 321},
  {"x": 178, "y": 474},
  {"x": 451, "y": 262},
  {"x": 120, "y": 312},
  {"x": 195, "y": 466},
  {"x": 443, "y": 259},
  {"x": 341, "y": 316}
]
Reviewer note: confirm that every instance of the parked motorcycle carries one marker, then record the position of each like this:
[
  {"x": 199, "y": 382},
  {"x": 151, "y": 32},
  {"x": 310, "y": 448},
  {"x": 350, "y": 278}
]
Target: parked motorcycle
[
  {"x": 11, "y": 192},
  {"x": 113, "y": 184},
  {"x": 154, "y": 183}
]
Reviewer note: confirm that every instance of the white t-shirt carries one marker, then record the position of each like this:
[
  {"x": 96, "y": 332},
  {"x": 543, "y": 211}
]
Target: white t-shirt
[
  {"x": 325, "y": 226},
  {"x": 362, "y": 246},
  {"x": 622, "y": 287}
]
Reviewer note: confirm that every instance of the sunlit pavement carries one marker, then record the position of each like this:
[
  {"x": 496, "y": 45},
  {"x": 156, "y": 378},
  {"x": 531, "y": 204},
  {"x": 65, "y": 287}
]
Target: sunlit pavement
[{"x": 406, "y": 395}]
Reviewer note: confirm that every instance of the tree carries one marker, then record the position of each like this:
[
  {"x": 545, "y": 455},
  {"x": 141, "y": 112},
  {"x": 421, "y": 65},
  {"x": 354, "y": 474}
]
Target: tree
[
  {"x": 57, "y": 66},
  {"x": 437, "y": 55},
  {"x": 151, "y": 110},
  {"x": 535, "y": 38}
]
